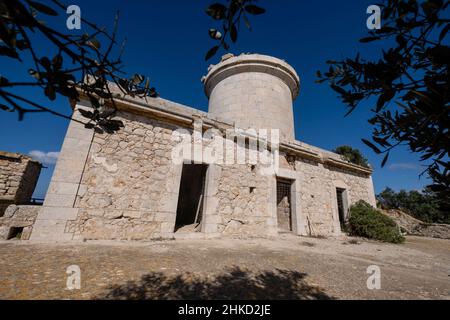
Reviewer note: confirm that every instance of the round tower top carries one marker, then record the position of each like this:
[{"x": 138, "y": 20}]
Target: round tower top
[{"x": 231, "y": 65}]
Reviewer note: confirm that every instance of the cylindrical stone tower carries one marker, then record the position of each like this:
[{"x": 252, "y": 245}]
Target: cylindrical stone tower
[{"x": 254, "y": 91}]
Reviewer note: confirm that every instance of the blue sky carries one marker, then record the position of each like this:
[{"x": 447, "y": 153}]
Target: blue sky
[{"x": 167, "y": 40}]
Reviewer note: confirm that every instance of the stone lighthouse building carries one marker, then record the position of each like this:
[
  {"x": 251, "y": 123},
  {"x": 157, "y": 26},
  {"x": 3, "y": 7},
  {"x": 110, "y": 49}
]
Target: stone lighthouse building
[{"x": 175, "y": 171}]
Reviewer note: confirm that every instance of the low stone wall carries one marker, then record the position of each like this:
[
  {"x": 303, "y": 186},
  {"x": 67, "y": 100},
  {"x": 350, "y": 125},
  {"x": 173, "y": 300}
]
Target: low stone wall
[
  {"x": 18, "y": 216},
  {"x": 18, "y": 178},
  {"x": 415, "y": 227}
]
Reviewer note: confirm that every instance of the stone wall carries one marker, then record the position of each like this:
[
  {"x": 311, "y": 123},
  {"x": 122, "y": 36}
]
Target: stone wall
[
  {"x": 18, "y": 216},
  {"x": 242, "y": 202},
  {"x": 125, "y": 186},
  {"x": 18, "y": 178},
  {"x": 126, "y": 181},
  {"x": 129, "y": 190},
  {"x": 317, "y": 194}
]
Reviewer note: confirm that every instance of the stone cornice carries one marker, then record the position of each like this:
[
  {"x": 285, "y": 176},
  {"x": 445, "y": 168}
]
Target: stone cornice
[
  {"x": 176, "y": 113},
  {"x": 347, "y": 165},
  {"x": 252, "y": 63},
  {"x": 324, "y": 157}
]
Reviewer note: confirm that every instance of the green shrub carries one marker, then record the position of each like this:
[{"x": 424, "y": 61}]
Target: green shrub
[{"x": 365, "y": 221}]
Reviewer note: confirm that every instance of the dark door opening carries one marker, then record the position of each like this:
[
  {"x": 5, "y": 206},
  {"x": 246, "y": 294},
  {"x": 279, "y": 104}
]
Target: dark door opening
[
  {"x": 15, "y": 233},
  {"x": 190, "y": 199},
  {"x": 284, "y": 204},
  {"x": 342, "y": 206}
]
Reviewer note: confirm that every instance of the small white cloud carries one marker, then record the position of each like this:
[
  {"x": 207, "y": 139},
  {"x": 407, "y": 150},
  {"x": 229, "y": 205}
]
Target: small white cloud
[
  {"x": 46, "y": 158},
  {"x": 403, "y": 166}
]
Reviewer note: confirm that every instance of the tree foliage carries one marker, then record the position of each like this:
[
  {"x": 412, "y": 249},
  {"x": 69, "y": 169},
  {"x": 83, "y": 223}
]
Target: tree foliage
[
  {"x": 426, "y": 205},
  {"x": 352, "y": 155},
  {"x": 83, "y": 64},
  {"x": 230, "y": 17},
  {"x": 410, "y": 83},
  {"x": 80, "y": 64}
]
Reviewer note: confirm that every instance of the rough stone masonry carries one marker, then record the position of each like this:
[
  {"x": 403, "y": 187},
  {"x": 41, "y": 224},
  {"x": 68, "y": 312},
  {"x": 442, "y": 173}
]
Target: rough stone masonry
[
  {"x": 126, "y": 185},
  {"x": 18, "y": 178}
]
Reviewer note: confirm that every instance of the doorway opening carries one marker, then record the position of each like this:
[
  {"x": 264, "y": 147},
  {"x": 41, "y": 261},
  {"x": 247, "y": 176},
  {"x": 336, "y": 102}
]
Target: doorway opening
[
  {"x": 15, "y": 233},
  {"x": 191, "y": 198},
  {"x": 341, "y": 195},
  {"x": 284, "y": 205}
]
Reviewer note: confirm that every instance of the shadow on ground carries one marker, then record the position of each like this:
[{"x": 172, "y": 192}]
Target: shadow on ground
[{"x": 234, "y": 283}]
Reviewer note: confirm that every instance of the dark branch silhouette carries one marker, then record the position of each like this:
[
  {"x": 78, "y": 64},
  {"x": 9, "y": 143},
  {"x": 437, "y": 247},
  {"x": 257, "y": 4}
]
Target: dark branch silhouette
[
  {"x": 83, "y": 64},
  {"x": 79, "y": 66}
]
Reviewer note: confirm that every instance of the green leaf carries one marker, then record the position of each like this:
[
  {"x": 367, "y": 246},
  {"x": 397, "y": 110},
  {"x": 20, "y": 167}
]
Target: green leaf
[
  {"x": 6, "y": 108},
  {"x": 86, "y": 114},
  {"x": 386, "y": 157},
  {"x": 233, "y": 33},
  {"x": 22, "y": 44},
  {"x": 45, "y": 62},
  {"x": 217, "y": 11},
  {"x": 5, "y": 51},
  {"x": 34, "y": 74},
  {"x": 247, "y": 23},
  {"x": 371, "y": 145},
  {"x": 211, "y": 52},
  {"x": 437, "y": 188},
  {"x": 384, "y": 98},
  {"x": 338, "y": 89},
  {"x": 57, "y": 62},
  {"x": 94, "y": 43},
  {"x": 50, "y": 92},
  {"x": 385, "y": 29},
  {"x": 252, "y": 9},
  {"x": 3, "y": 81},
  {"x": 215, "y": 34},
  {"x": 137, "y": 79},
  {"x": 369, "y": 39},
  {"x": 42, "y": 8}
]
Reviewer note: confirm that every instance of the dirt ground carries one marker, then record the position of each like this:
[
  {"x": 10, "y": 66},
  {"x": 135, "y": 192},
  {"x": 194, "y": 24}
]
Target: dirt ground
[{"x": 286, "y": 268}]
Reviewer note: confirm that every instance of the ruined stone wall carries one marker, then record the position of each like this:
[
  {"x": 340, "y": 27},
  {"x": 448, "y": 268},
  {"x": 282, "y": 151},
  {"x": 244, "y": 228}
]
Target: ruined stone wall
[
  {"x": 18, "y": 178},
  {"x": 18, "y": 216}
]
